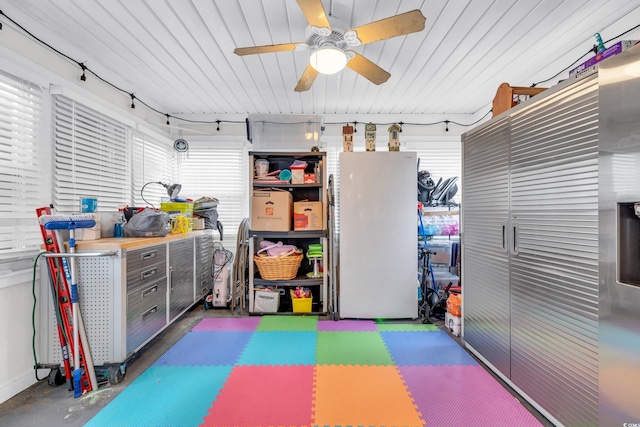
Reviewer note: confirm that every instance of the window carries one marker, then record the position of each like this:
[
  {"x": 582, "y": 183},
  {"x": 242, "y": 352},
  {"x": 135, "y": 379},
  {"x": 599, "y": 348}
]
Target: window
[
  {"x": 219, "y": 170},
  {"x": 91, "y": 157},
  {"x": 152, "y": 162},
  {"x": 23, "y": 169}
]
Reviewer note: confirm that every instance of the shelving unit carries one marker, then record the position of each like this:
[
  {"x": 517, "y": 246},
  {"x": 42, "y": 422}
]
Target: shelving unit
[{"x": 314, "y": 192}]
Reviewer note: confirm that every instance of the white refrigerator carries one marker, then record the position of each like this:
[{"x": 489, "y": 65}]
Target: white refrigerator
[{"x": 378, "y": 238}]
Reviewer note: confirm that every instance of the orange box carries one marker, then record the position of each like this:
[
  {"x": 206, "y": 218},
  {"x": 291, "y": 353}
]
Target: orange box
[{"x": 454, "y": 304}]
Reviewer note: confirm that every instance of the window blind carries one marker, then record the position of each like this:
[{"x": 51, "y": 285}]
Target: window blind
[
  {"x": 441, "y": 159},
  {"x": 23, "y": 188},
  {"x": 153, "y": 162},
  {"x": 218, "y": 170},
  {"x": 91, "y": 157}
]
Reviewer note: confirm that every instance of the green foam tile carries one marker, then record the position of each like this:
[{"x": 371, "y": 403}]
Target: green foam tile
[
  {"x": 405, "y": 327},
  {"x": 288, "y": 323},
  {"x": 352, "y": 348}
]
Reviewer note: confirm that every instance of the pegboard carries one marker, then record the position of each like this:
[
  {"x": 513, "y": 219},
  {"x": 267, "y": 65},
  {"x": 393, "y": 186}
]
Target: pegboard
[
  {"x": 96, "y": 285},
  {"x": 96, "y": 278}
]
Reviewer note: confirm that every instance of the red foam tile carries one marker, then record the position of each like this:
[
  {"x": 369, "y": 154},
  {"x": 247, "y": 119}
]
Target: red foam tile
[{"x": 264, "y": 396}]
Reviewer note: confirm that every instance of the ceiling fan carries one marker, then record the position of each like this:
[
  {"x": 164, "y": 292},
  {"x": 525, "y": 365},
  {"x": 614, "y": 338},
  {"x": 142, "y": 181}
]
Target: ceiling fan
[{"x": 328, "y": 40}]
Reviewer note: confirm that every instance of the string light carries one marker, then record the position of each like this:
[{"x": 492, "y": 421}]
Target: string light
[{"x": 83, "y": 77}]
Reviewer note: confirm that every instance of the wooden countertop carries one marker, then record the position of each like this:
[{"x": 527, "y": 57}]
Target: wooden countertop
[{"x": 113, "y": 243}]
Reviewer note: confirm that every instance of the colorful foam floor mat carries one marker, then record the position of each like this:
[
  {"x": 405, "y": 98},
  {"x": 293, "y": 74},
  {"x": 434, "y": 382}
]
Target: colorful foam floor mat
[{"x": 301, "y": 371}]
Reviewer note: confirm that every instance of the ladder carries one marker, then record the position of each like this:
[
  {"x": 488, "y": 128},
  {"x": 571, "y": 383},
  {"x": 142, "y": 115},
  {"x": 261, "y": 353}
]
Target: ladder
[{"x": 60, "y": 275}]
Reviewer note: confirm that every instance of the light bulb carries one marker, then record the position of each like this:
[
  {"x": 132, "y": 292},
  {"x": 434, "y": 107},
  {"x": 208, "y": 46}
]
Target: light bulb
[{"x": 328, "y": 60}]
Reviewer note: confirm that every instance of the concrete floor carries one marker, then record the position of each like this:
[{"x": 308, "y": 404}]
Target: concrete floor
[{"x": 44, "y": 405}]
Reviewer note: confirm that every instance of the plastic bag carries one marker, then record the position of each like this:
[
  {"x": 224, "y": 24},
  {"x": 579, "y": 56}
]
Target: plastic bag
[{"x": 148, "y": 223}]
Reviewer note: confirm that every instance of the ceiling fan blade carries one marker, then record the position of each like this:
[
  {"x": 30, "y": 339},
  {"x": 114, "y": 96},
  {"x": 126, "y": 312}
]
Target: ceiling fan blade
[
  {"x": 399, "y": 25},
  {"x": 307, "y": 79},
  {"x": 264, "y": 49},
  {"x": 314, "y": 12},
  {"x": 368, "y": 69}
]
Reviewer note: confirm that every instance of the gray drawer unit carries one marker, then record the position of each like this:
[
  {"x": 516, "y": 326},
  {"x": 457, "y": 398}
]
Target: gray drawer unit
[
  {"x": 146, "y": 313},
  {"x": 145, "y": 266},
  {"x": 181, "y": 275}
]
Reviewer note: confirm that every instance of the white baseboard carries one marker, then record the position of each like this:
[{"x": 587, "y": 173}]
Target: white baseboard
[{"x": 19, "y": 384}]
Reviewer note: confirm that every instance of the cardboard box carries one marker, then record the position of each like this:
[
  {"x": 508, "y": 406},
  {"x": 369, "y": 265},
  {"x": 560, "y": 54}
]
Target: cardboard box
[
  {"x": 307, "y": 216},
  {"x": 297, "y": 176},
  {"x": 591, "y": 64},
  {"x": 271, "y": 210},
  {"x": 93, "y": 233}
]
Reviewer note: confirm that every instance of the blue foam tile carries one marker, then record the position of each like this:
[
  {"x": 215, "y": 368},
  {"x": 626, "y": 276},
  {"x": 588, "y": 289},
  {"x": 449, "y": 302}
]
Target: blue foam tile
[
  {"x": 206, "y": 348},
  {"x": 165, "y": 396},
  {"x": 425, "y": 348},
  {"x": 280, "y": 348}
]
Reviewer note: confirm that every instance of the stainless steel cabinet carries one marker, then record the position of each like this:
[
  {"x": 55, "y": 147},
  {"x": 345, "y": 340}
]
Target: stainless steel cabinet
[
  {"x": 181, "y": 275},
  {"x": 530, "y": 249},
  {"x": 124, "y": 297},
  {"x": 204, "y": 265},
  {"x": 485, "y": 257},
  {"x": 146, "y": 294}
]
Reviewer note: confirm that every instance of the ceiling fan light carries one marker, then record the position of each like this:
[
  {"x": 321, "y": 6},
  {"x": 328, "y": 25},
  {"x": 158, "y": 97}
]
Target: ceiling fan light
[{"x": 328, "y": 60}]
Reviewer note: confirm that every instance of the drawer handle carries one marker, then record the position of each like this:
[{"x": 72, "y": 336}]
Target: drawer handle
[
  {"x": 204, "y": 290},
  {"x": 149, "y": 291},
  {"x": 204, "y": 283},
  {"x": 149, "y": 312},
  {"x": 149, "y": 255},
  {"x": 149, "y": 273}
]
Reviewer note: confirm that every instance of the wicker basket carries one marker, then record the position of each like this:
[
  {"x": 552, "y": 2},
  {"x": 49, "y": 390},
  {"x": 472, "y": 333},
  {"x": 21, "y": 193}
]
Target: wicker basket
[{"x": 278, "y": 268}]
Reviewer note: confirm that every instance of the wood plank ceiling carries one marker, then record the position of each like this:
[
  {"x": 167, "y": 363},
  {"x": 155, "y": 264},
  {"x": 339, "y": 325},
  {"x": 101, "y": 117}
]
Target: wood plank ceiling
[{"x": 177, "y": 55}]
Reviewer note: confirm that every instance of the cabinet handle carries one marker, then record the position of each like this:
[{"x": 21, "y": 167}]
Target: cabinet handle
[
  {"x": 149, "y": 255},
  {"x": 515, "y": 239},
  {"x": 149, "y": 273},
  {"x": 149, "y": 312},
  {"x": 149, "y": 291},
  {"x": 504, "y": 237},
  {"x": 171, "y": 278}
]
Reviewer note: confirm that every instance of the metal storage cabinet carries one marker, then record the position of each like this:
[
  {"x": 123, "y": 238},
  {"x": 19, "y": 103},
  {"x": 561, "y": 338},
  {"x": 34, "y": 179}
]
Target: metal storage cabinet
[
  {"x": 181, "y": 275},
  {"x": 554, "y": 256},
  {"x": 531, "y": 279},
  {"x": 146, "y": 294},
  {"x": 485, "y": 272},
  {"x": 204, "y": 265},
  {"x": 301, "y": 238},
  {"x": 124, "y": 298}
]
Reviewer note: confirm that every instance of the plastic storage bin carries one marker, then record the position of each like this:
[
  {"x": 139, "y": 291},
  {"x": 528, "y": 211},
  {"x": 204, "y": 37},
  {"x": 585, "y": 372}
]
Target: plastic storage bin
[
  {"x": 266, "y": 301},
  {"x": 182, "y": 208},
  {"x": 301, "y": 305}
]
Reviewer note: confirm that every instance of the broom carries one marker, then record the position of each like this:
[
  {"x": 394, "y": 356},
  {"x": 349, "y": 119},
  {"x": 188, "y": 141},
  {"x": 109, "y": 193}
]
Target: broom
[{"x": 71, "y": 223}]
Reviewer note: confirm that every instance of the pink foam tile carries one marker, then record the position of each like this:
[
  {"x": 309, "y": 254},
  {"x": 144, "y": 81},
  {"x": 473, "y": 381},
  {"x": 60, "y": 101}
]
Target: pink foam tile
[
  {"x": 227, "y": 324},
  {"x": 347, "y": 325},
  {"x": 464, "y": 396},
  {"x": 264, "y": 396}
]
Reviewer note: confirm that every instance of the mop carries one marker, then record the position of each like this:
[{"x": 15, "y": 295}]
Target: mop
[{"x": 71, "y": 223}]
